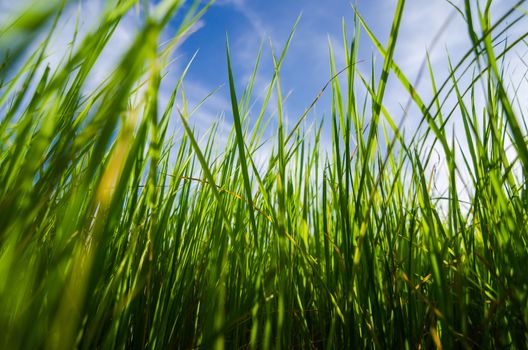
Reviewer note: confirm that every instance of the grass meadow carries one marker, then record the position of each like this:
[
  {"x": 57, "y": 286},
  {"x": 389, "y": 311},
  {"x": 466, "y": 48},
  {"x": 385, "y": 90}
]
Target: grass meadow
[{"x": 116, "y": 232}]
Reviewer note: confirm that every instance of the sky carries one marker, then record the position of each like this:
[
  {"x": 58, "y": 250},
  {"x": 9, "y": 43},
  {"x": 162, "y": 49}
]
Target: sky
[
  {"x": 432, "y": 27},
  {"x": 252, "y": 23}
]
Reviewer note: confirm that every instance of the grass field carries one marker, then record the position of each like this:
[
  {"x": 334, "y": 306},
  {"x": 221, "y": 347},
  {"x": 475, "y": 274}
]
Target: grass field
[{"x": 115, "y": 233}]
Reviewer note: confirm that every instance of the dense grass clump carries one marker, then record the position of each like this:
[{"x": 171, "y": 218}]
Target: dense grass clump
[{"x": 114, "y": 233}]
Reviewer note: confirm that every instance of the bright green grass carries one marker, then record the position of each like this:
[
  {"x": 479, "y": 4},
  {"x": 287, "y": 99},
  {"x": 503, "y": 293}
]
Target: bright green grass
[{"x": 105, "y": 243}]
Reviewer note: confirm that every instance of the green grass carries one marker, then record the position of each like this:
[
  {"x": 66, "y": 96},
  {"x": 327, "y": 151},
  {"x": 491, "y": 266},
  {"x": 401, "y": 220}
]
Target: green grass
[{"x": 115, "y": 233}]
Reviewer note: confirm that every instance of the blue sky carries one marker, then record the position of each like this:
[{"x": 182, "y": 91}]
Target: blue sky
[{"x": 250, "y": 23}]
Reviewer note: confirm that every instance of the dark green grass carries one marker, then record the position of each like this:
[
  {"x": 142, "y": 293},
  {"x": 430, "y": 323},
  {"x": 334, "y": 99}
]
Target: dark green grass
[{"x": 115, "y": 233}]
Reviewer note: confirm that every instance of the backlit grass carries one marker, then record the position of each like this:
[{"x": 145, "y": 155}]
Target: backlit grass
[{"x": 117, "y": 233}]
